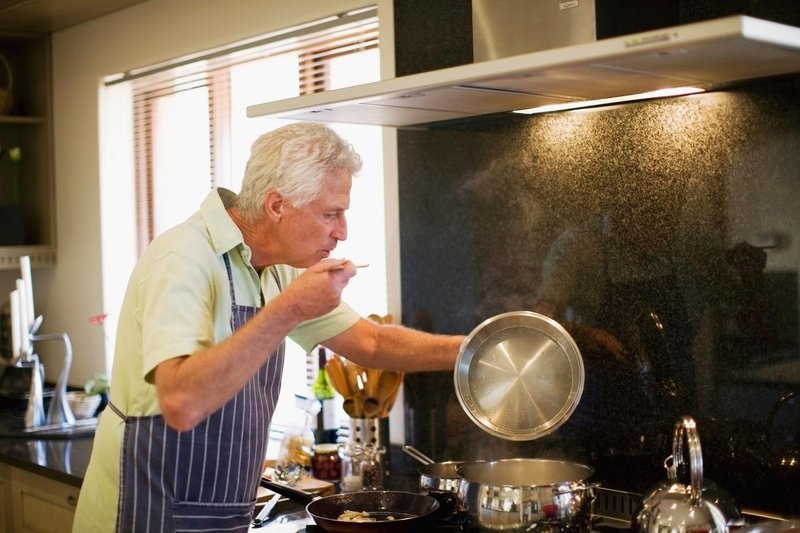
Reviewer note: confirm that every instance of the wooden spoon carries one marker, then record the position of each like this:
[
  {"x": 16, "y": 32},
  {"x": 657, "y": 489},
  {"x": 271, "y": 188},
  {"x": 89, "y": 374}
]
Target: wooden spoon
[
  {"x": 354, "y": 381},
  {"x": 353, "y": 408},
  {"x": 372, "y": 385},
  {"x": 371, "y": 407},
  {"x": 388, "y": 388},
  {"x": 338, "y": 375},
  {"x": 372, "y": 404}
]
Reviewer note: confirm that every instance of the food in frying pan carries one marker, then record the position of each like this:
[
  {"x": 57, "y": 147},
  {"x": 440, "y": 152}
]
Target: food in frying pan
[{"x": 360, "y": 516}]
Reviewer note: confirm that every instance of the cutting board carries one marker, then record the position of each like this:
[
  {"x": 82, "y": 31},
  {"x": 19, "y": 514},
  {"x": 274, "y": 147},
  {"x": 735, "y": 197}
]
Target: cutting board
[{"x": 308, "y": 484}]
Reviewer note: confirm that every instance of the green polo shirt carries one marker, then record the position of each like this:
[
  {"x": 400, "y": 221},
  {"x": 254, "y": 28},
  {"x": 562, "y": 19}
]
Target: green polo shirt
[{"x": 178, "y": 302}]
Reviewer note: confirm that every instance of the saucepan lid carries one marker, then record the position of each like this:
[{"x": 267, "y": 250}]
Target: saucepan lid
[{"x": 519, "y": 375}]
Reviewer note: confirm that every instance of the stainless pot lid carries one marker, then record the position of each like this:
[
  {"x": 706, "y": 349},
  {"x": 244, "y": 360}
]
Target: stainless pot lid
[{"x": 519, "y": 375}]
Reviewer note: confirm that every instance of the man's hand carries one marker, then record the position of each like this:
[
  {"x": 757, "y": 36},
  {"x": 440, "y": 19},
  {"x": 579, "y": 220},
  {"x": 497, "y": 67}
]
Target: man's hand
[{"x": 318, "y": 290}]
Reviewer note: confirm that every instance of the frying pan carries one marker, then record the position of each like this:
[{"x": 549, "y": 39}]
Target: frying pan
[{"x": 408, "y": 510}]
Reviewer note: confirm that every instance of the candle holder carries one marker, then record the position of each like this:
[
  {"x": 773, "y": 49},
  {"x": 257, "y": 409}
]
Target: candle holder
[{"x": 59, "y": 411}]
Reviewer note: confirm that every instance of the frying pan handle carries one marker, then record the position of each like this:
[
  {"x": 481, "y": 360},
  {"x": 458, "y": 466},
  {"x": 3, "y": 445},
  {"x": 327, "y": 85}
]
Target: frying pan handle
[{"x": 296, "y": 495}]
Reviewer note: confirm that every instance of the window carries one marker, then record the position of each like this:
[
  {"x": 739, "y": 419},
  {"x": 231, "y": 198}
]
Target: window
[
  {"x": 195, "y": 113},
  {"x": 191, "y": 134}
]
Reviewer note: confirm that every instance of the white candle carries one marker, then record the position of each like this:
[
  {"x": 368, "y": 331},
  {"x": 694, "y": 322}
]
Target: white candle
[
  {"x": 24, "y": 327},
  {"x": 25, "y": 268},
  {"x": 15, "y": 327}
]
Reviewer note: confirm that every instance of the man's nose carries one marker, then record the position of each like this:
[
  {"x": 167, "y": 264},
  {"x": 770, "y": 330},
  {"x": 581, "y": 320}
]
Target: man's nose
[{"x": 340, "y": 231}]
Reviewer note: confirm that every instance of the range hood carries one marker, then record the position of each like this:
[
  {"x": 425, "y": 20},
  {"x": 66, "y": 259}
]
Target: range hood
[{"x": 708, "y": 54}]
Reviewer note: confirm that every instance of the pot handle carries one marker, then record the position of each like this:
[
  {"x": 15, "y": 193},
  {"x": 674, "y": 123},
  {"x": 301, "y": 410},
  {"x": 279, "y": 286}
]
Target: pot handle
[
  {"x": 579, "y": 487},
  {"x": 686, "y": 427},
  {"x": 418, "y": 455}
]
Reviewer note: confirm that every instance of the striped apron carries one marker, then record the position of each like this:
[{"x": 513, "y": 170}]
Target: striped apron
[{"x": 204, "y": 479}]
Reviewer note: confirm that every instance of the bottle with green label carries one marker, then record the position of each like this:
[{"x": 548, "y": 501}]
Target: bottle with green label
[{"x": 327, "y": 421}]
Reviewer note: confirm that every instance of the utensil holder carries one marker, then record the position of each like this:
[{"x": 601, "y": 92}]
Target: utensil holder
[{"x": 375, "y": 432}]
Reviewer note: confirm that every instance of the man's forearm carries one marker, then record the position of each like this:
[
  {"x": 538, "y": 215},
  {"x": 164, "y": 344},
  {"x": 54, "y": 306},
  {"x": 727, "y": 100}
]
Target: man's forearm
[{"x": 411, "y": 350}]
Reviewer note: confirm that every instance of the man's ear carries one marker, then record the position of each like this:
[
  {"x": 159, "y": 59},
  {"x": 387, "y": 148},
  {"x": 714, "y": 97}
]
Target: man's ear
[{"x": 274, "y": 204}]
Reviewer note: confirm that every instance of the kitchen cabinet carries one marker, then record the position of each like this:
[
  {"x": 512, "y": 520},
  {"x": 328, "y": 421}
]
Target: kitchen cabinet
[
  {"x": 34, "y": 503},
  {"x": 27, "y": 124}
]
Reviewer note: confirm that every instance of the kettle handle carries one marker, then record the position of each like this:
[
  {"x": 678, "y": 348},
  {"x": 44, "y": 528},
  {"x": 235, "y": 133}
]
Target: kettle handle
[{"x": 686, "y": 427}]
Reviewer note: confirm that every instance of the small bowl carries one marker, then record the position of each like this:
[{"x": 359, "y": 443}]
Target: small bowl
[{"x": 83, "y": 405}]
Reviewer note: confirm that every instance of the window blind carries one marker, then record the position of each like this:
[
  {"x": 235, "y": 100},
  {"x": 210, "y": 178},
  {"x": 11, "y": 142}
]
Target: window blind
[{"x": 315, "y": 44}]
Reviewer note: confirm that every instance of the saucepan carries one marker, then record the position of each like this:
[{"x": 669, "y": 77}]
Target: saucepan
[
  {"x": 524, "y": 494},
  {"x": 435, "y": 477},
  {"x": 392, "y": 511}
]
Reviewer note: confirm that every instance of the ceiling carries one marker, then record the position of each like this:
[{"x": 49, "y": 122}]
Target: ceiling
[{"x": 47, "y": 16}]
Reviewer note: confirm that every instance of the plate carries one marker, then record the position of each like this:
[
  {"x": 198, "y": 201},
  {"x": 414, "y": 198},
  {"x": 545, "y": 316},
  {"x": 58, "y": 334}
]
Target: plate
[{"x": 519, "y": 375}]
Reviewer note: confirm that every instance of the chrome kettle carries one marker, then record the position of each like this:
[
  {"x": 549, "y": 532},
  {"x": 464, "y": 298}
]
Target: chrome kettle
[{"x": 672, "y": 507}]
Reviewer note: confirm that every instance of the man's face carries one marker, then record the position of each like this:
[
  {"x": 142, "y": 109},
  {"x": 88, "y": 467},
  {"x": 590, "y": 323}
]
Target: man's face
[{"x": 310, "y": 233}]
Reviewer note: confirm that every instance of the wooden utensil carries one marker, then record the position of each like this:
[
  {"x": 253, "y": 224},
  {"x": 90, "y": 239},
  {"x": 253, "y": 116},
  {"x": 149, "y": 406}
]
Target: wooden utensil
[
  {"x": 353, "y": 408},
  {"x": 389, "y": 403},
  {"x": 338, "y": 375},
  {"x": 372, "y": 384},
  {"x": 388, "y": 388},
  {"x": 372, "y": 404},
  {"x": 371, "y": 407}
]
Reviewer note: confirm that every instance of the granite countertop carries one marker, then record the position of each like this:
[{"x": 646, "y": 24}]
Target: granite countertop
[{"x": 63, "y": 460}]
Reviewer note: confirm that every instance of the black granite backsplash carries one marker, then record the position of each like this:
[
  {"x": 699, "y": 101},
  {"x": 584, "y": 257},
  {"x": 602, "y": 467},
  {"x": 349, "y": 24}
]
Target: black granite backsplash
[{"x": 664, "y": 235}]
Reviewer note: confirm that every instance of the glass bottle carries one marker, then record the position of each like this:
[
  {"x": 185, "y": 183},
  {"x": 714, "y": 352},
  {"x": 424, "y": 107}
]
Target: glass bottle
[
  {"x": 371, "y": 468},
  {"x": 294, "y": 457},
  {"x": 351, "y": 467},
  {"x": 323, "y": 391}
]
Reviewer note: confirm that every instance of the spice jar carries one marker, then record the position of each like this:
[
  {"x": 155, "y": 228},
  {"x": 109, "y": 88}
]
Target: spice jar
[
  {"x": 350, "y": 454},
  {"x": 371, "y": 468},
  {"x": 325, "y": 462}
]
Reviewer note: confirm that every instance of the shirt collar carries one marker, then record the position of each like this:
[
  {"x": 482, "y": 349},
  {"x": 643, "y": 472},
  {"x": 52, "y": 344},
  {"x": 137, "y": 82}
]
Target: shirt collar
[{"x": 224, "y": 233}]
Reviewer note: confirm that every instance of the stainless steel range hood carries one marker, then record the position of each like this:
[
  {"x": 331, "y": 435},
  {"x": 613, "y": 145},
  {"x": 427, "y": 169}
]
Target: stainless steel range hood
[
  {"x": 707, "y": 54},
  {"x": 503, "y": 28}
]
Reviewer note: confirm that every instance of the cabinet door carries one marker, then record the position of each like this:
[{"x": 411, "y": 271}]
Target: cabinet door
[
  {"x": 42, "y": 505},
  {"x": 27, "y": 219},
  {"x": 6, "y": 506}
]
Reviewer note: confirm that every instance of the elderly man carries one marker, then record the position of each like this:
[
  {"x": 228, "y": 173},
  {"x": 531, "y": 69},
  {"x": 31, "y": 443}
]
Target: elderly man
[{"x": 199, "y": 354}]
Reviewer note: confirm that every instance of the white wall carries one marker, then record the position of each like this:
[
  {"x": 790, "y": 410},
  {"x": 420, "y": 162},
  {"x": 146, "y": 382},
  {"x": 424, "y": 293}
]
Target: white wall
[{"x": 147, "y": 33}]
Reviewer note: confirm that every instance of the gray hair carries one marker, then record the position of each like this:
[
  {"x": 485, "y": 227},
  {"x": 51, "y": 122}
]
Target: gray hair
[{"x": 294, "y": 160}]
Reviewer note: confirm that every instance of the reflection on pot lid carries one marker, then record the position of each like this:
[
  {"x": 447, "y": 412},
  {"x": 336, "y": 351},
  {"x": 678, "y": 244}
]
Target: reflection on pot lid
[{"x": 519, "y": 375}]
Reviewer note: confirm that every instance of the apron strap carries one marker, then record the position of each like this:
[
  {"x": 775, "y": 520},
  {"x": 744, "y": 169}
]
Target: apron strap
[
  {"x": 117, "y": 411},
  {"x": 277, "y": 279}
]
